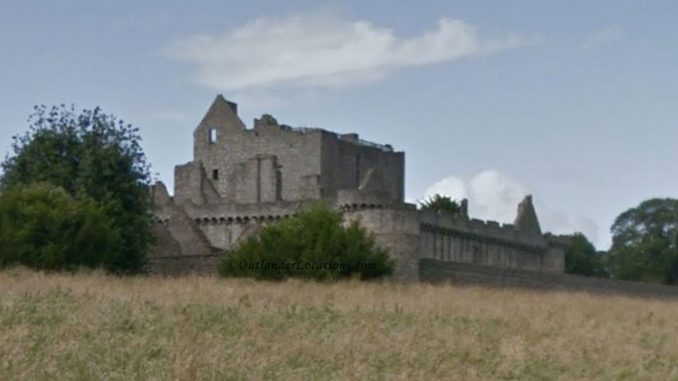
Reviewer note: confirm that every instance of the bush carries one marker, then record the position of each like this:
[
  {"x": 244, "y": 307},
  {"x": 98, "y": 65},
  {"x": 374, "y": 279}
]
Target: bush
[
  {"x": 44, "y": 227},
  {"x": 313, "y": 244}
]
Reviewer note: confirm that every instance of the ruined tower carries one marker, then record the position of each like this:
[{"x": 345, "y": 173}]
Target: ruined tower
[{"x": 243, "y": 178}]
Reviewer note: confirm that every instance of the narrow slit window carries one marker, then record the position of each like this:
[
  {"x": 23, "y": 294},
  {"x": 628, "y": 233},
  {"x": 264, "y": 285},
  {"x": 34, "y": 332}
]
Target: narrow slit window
[
  {"x": 213, "y": 135},
  {"x": 215, "y": 174}
]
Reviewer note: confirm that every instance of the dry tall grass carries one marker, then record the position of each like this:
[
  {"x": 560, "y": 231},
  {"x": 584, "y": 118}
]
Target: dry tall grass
[{"x": 91, "y": 326}]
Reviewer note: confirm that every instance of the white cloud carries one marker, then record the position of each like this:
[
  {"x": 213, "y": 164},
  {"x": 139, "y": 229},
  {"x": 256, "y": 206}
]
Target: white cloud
[
  {"x": 492, "y": 195},
  {"x": 318, "y": 50},
  {"x": 450, "y": 186},
  {"x": 495, "y": 196},
  {"x": 602, "y": 37}
]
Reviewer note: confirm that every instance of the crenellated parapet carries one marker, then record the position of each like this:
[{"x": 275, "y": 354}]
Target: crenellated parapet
[
  {"x": 489, "y": 231},
  {"x": 521, "y": 245}
]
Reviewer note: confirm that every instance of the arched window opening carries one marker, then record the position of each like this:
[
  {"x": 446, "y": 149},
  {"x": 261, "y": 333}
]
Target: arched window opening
[{"x": 213, "y": 135}]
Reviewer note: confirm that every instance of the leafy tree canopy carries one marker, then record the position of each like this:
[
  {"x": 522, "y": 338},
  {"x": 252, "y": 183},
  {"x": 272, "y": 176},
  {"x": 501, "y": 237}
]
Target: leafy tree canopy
[
  {"x": 313, "y": 244},
  {"x": 582, "y": 258},
  {"x": 645, "y": 242},
  {"x": 90, "y": 155},
  {"x": 44, "y": 227},
  {"x": 440, "y": 204}
]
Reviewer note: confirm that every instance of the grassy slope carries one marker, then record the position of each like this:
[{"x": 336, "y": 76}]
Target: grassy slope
[{"x": 93, "y": 327}]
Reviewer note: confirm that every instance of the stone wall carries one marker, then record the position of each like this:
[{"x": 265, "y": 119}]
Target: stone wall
[
  {"x": 276, "y": 162},
  {"x": 410, "y": 235},
  {"x": 520, "y": 245},
  {"x": 397, "y": 231},
  {"x": 346, "y": 163},
  {"x": 457, "y": 246},
  {"x": 225, "y": 224},
  {"x": 256, "y": 180}
]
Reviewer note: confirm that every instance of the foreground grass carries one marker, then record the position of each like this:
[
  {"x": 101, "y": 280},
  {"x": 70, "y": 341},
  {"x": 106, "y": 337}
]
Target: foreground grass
[{"x": 91, "y": 326}]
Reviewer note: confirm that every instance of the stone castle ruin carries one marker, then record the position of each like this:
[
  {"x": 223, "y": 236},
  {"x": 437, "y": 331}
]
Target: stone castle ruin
[{"x": 241, "y": 179}]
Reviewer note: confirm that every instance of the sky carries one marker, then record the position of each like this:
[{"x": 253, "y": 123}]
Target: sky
[{"x": 573, "y": 102}]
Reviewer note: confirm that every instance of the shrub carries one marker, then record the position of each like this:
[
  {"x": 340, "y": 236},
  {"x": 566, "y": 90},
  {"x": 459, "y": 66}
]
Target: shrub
[
  {"x": 313, "y": 244},
  {"x": 44, "y": 227}
]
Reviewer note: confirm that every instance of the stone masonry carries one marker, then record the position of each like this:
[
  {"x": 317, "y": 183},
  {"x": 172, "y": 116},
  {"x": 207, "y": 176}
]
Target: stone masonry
[{"x": 241, "y": 179}]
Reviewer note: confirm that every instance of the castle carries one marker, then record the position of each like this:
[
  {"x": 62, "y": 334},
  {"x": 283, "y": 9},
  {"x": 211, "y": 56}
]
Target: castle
[{"x": 241, "y": 179}]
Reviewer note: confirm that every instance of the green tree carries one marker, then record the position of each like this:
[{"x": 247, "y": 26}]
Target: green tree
[
  {"x": 582, "y": 258},
  {"x": 440, "y": 204},
  {"x": 90, "y": 155},
  {"x": 645, "y": 242},
  {"x": 44, "y": 227},
  {"x": 314, "y": 237}
]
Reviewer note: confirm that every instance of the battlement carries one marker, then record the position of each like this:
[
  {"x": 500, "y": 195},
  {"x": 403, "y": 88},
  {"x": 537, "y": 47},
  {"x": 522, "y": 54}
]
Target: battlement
[{"x": 487, "y": 230}]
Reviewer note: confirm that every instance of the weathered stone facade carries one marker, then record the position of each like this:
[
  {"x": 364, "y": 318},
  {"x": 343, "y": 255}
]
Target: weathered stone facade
[{"x": 241, "y": 179}]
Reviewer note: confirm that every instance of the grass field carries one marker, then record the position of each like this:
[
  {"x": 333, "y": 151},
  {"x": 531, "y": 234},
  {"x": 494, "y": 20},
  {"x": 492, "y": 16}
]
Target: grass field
[{"x": 92, "y": 326}]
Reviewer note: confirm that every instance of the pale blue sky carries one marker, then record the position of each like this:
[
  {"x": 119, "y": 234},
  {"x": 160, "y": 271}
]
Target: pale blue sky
[{"x": 575, "y": 102}]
